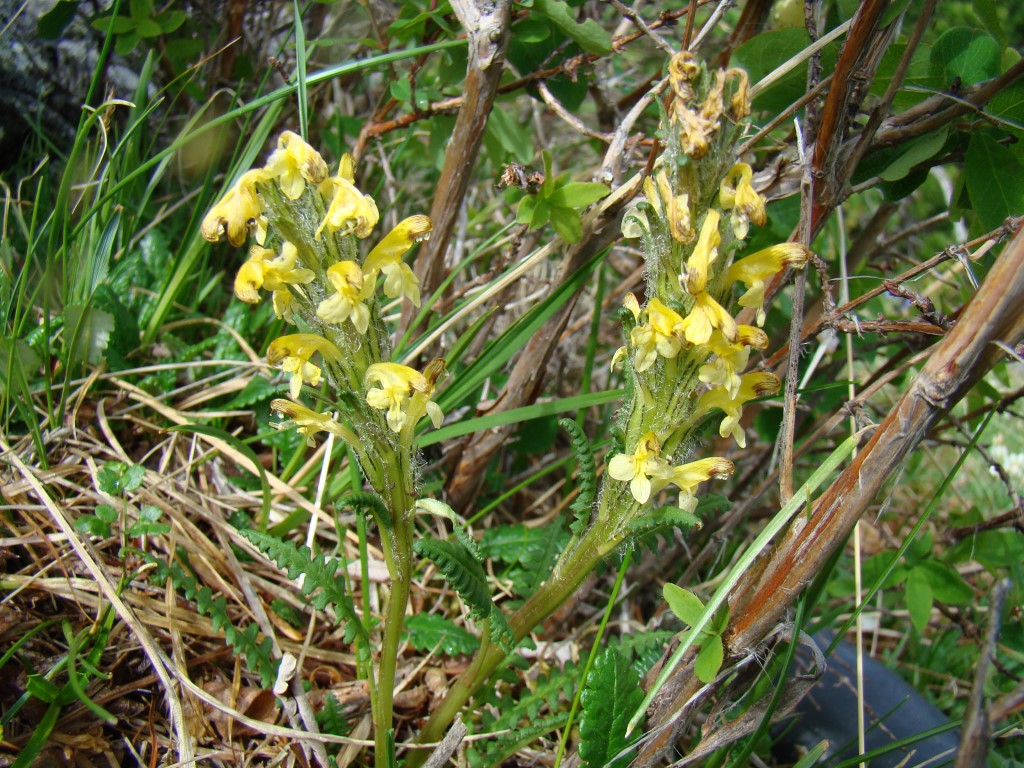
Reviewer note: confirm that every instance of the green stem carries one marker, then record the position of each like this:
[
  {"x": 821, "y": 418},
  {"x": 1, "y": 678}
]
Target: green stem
[
  {"x": 400, "y": 564},
  {"x": 593, "y": 547}
]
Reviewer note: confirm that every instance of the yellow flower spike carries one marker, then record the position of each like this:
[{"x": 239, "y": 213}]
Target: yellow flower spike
[
  {"x": 293, "y": 352},
  {"x": 705, "y": 316},
  {"x": 755, "y": 269},
  {"x": 234, "y": 213},
  {"x": 346, "y": 304},
  {"x": 271, "y": 274},
  {"x": 349, "y": 210},
  {"x": 640, "y": 467},
  {"x": 403, "y": 392},
  {"x": 309, "y": 422},
  {"x": 687, "y": 477},
  {"x": 294, "y": 163},
  {"x": 386, "y": 257},
  {"x": 693, "y": 277},
  {"x": 737, "y": 194},
  {"x": 752, "y": 385}
]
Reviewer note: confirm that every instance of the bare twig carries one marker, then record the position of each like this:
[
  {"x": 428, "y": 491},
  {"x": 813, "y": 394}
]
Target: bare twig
[{"x": 977, "y": 726}]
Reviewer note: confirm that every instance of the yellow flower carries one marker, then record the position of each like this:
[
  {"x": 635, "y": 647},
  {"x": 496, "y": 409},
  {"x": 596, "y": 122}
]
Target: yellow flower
[
  {"x": 386, "y": 257},
  {"x": 293, "y": 352},
  {"x": 675, "y": 208},
  {"x": 731, "y": 359},
  {"x": 404, "y": 393},
  {"x": 739, "y": 102},
  {"x": 309, "y": 422},
  {"x": 737, "y": 194},
  {"x": 349, "y": 210},
  {"x": 235, "y": 212},
  {"x": 657, "y": 337},
  {"x": 753, "y": 270},
  {"x": 294, "y": 163},
  {"x": 752, "y": 385},
  {"x": 640, "y": 467},
  {"x": 346, "y": 303},
  {"x": 284, "y": 305},
  {"x": 271, "y": 274},
  {"x": 693, "y": 277},
  {"x": 687, "y": 477},
  {"x": 706, "y": 315}
]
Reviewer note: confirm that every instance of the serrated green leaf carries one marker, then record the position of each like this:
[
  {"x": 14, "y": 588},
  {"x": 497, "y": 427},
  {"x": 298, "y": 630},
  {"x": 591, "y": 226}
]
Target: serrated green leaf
[
  {"x": 611, "y": 696},
  {"x": 683, "y": 603},
  {"x": 512, "y": 543},
  {"x": 968, "y": 54},
  {"x": 995, "y": 181},
  {"x": 589, "y": 35},
  {"x": 567, "y": 223},
  {"x": 919, "y": 598},
  {"x": 427, "y": 632},
  {"x": 709, "y": 659},
  {"x": 577, "y": 194}
]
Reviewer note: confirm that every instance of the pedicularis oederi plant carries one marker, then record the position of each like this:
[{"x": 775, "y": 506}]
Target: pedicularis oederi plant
[{"x": 684, "y": 360}]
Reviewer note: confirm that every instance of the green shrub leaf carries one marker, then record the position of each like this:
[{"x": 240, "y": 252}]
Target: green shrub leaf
[{"x": 610, "y": 698}]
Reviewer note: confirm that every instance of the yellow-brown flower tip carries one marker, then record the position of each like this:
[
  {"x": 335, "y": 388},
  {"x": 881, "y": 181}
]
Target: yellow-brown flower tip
[
  {"x": 761, "y": 384},
  {"x": 234, "y": 213},
  {"x": 751, "y": 336},
  {"x": 435, "y": 369}
]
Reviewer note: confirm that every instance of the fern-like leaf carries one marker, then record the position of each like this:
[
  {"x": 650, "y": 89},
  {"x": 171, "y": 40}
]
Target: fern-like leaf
[
  {"x": 662, "y": 521},
  {"x": 429, "y": 631},
  {"x": 321, "y": 576},
  {"x": 257, "y": 653},
  {"x": 608, "y": 701},
  {"x": 586, "y": 473},
  {"x": 369, "y": 504},
  {"x": 463, "y": 571}
]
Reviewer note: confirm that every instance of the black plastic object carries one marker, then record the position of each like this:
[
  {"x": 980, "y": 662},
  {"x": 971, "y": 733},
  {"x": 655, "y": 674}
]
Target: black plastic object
[{"x": 894, "y": 711}]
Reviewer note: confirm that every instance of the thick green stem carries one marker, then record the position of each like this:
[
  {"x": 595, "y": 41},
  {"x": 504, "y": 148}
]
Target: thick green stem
[{"x": 595, "y": 545}]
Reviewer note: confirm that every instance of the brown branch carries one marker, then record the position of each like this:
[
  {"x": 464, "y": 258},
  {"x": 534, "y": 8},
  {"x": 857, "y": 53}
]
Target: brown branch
[
  {"x": 977, "y": 726},
  {"x": 955, "y": 365},
  {"x": 487, "y": 27}
]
